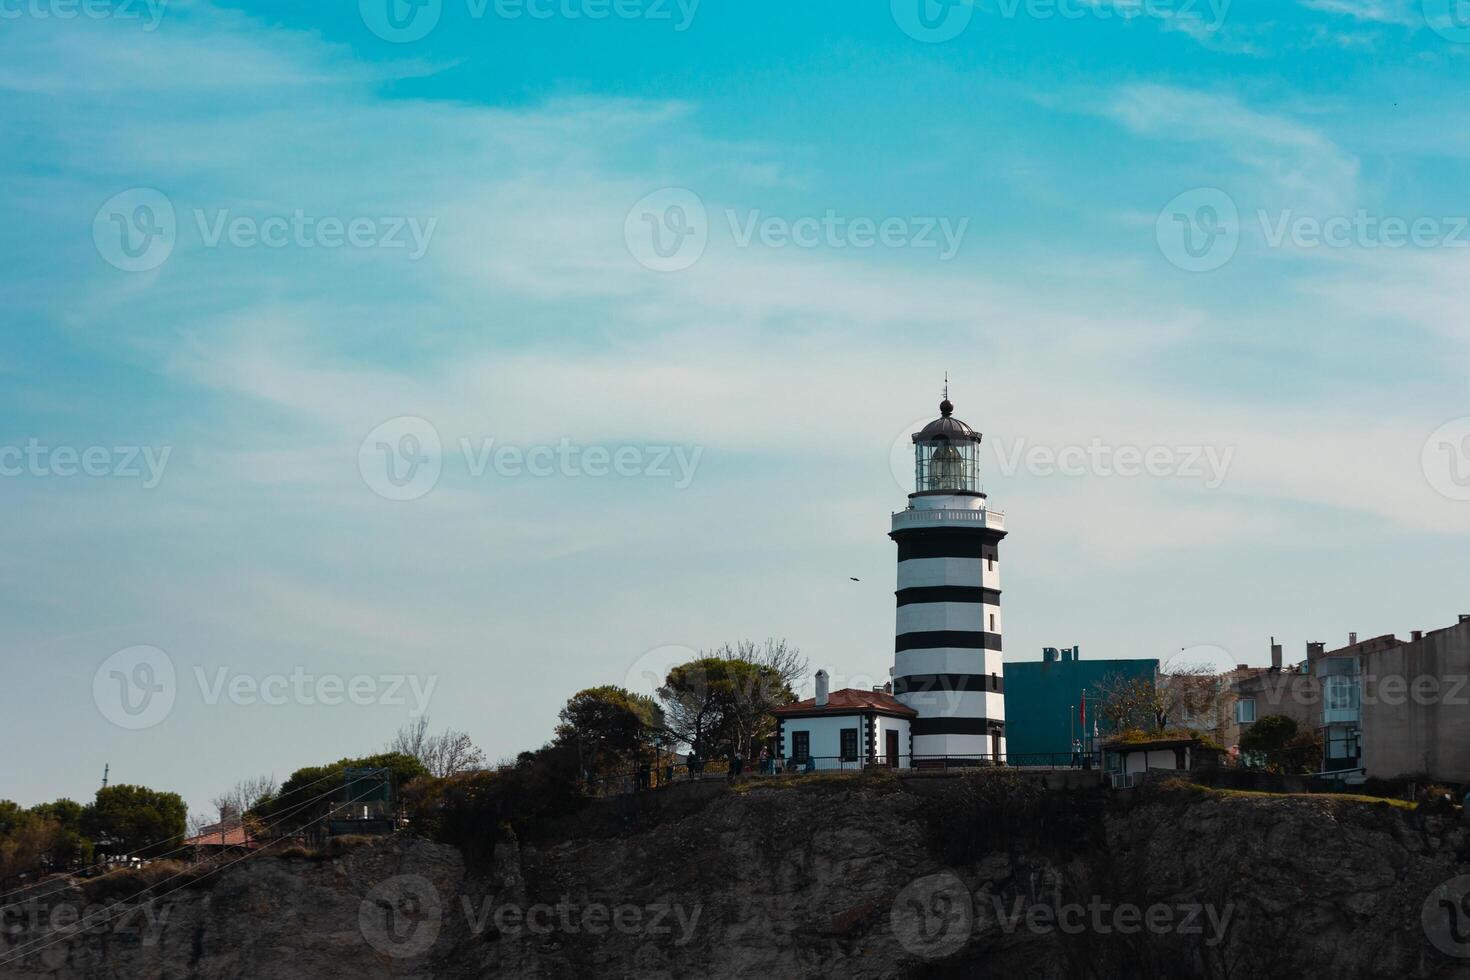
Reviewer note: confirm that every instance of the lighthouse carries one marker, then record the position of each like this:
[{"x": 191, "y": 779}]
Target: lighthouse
[{"x": 947, "y": 656}]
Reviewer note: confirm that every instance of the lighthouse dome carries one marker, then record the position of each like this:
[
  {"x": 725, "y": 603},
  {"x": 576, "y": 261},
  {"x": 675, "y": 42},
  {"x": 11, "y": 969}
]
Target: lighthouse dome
[{"x": 946, "y": 428}]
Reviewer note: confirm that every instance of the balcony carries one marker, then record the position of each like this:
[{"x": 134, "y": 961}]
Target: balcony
[{"x": 992, "y": 519}]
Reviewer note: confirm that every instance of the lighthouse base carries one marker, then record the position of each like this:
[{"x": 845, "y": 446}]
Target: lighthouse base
[{"x": 942, "y": 750}]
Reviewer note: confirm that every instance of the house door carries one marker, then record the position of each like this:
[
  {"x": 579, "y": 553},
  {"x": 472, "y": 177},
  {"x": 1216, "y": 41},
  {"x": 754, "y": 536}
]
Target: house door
[
  {"x": 890, "y": 748},
  {"x": 995, "y": 747}
]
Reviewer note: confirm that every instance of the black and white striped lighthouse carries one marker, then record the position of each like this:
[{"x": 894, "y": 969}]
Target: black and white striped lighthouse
[{"x": 947, "y": 660}]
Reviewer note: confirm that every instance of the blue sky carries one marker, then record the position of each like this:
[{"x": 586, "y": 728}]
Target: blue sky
[{"x": 1067, "y": 147}]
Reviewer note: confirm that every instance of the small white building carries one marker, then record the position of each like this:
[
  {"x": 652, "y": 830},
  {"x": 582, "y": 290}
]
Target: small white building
[
  {"x": 847, "y": 729},
  {"x": 1126, "y": 763}
]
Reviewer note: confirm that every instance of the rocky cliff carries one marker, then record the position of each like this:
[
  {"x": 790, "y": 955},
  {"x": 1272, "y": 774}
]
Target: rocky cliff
[{"x": 857, "y": 878}]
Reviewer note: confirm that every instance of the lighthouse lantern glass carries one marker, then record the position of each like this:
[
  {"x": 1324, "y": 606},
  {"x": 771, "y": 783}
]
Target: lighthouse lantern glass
[{"x": 947, "y": 467}]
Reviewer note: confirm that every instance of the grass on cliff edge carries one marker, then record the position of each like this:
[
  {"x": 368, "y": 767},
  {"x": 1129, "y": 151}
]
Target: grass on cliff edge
[
  {"x": 1185, "y": 786},
  {"x": 876, "y": 778}
]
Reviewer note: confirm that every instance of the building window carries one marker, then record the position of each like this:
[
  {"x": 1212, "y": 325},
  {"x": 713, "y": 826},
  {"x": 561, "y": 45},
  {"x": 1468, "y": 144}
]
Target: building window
[
  {"x": 849, "y": 745},
  {"x": 992, "y": 622},
  {"x": 1245, "y": 711},
  {"x": 1340, "y": 694},
  {"x": 990, "y": 564},
  {"x": 801, "y": 746}
]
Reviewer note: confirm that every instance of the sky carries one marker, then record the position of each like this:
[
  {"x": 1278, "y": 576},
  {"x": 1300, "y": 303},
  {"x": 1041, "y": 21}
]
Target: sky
[{"x": 368, "y": 360}]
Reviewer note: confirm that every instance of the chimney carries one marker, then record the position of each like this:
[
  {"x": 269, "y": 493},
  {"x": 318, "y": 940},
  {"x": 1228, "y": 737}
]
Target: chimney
[
  {"x": 1275, "y": 654},
  {"x": 821, "y": 689},
  {"x": 1417, "y": 635},
  {"x": 1352, "y": 639},
  {"x": 1315, "y": 650},
  {"x": 1049, "y": 655}
]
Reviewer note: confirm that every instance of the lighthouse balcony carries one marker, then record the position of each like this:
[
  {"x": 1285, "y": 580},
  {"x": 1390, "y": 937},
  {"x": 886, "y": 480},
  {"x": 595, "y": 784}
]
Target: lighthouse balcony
[{"x": 949, "y": 517}]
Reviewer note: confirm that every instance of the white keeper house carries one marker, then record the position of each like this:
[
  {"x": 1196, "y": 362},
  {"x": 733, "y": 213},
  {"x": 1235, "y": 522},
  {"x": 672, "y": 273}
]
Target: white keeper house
[{"x": 947, "y": 657}]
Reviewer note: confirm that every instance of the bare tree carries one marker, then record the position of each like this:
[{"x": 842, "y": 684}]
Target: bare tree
[
  {"x": 234, "y": 803},
  {"x": 1192, "y": 696},
  {"x": 779, "y": 656},
  {"x": 1130, "y": 702},
  {"x": 443, "y": 754}
]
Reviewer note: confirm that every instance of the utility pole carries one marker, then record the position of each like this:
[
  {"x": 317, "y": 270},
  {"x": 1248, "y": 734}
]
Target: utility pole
[{"x": 106, "y": 768}]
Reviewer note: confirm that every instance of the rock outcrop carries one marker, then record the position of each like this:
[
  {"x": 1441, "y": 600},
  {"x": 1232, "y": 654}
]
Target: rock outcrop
[{"x": 843, "y": 878}]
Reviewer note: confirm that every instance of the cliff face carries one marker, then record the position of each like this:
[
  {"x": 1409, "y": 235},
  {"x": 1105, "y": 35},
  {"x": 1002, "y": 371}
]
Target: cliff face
[{"x": 833, "y": 879}]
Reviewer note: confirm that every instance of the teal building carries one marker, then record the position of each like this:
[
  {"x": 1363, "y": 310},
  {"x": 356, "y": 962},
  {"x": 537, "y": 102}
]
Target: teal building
[{"x": 1043, "y": 700}]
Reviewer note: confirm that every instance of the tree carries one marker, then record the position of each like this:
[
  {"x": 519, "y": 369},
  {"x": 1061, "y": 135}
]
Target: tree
[
  {"x": 26, "y": 837},
  {"x": 610, "y": 727},
  {"x": 720, "y": 705},
  {"x": 135, "y": 819},
  {"x": 1276, "y": 740},
  {"x": 444, "y": 754},
  {"x": 1192, "y": 696},
  {"x": 310, "y": 793},
  {"x": 71, "y": 845},
  {"x": 785, "y": 660},
  {"x": 234, "y": 803},
  {"x": 1130, "y": 702}
]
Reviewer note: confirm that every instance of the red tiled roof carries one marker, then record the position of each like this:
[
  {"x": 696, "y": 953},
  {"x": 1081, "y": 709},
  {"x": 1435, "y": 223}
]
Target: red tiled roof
[
  {"x": 847, "y": 701},
  {"x": 230, "y": 837}
]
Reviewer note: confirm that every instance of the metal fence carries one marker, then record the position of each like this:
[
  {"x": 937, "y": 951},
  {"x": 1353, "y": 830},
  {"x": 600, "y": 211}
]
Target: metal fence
[{"x": 648, "y": 778}]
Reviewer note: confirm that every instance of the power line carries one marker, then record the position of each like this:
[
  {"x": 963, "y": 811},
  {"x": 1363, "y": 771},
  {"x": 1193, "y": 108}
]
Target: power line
[
  {"x": 156, "y": 857},
  {"x": 31, "y": 947}
]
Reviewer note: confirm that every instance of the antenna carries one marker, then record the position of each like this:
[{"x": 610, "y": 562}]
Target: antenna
[
  {"x": 946, "y": 386},
  {"x": 106, "y": 768}
]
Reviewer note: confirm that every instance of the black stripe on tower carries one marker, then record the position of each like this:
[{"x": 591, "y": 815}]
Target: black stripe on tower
[
  {"x": 956, "y": 726},
  {"x": 947, "y": 542},
  {"x": 948, "y": 593},
  {"x": 926, "y": 683},
  {"x": 934, "y": 639}
]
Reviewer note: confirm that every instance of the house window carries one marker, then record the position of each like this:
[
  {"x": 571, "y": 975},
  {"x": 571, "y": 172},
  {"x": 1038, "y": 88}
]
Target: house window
[
  {"x": 1245, "y": 711},
  {"x": 801, "y": 746},
  {"x": 849, "y": 744},
  {"x": 992, "y": 622},
  {"x": 1340, "y": 694},
  {"x": 990, "y": 564}
]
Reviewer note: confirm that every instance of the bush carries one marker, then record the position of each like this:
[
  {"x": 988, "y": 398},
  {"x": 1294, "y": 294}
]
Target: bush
[
  {"x": 475, "y": 811},
  {"x": 1437, "y": 799},
  {"x": 125, "y": 883}
]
